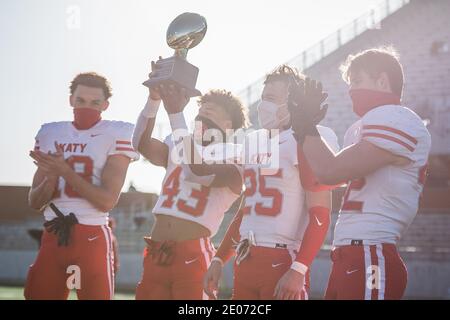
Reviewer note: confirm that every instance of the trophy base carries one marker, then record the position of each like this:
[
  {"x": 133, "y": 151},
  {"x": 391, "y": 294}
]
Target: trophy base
[
  {"x": 190, "y": 92},
  {"x": 175, "y": 70}
]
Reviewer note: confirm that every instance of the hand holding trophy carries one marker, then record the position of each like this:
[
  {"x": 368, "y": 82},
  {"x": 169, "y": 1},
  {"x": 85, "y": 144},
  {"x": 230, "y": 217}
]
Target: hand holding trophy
[
  {"x": 185, "y": 32},
  {"x": 174, "y": 97}
]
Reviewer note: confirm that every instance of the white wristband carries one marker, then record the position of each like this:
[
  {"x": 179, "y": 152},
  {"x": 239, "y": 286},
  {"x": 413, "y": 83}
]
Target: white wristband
[
  {"x": 299, "y": 267},
  {"x": 218, "y": 260},
  {"x": 177, "y": 121},
  {"x": 151, "y": 108}
]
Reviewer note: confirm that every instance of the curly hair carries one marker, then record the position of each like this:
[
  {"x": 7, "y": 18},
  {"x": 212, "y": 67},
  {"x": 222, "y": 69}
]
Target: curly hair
[
  {"x": 91, "y": 79},
  {"x": 228, "y": 102},
  {"x": 286, "y": 74},
  {"x": 375, "y": 61}
]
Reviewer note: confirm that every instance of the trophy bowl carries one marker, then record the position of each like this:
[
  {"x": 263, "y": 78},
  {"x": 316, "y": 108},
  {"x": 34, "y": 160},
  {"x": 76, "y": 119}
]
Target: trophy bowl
[{"x": 184, "y": 33}]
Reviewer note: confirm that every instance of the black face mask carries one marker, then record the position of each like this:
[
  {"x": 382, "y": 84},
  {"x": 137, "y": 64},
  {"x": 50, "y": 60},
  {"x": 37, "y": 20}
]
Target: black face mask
[{"x": 209, "y": 124}]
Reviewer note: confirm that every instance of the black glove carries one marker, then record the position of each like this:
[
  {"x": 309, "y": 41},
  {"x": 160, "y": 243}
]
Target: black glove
[
  {"x": 61, "y": 226},
  {"x": 305, "y": 106}
]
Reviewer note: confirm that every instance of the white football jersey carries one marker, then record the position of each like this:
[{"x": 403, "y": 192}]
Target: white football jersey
[
  {"x": 86, "y": 151},
  {"x": 190, "y": 200},
  {"x": 275, "y": 208},
  {"x": 380, "y": 206}
]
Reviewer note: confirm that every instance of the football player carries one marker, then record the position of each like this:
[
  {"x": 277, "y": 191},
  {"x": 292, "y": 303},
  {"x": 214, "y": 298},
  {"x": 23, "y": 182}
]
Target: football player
[
  {"x": 285, "y": 216},
  {"x": 384, "y": 163},
  {"x": 193, "y": 197},
  {"x": 81, "y": 168}
]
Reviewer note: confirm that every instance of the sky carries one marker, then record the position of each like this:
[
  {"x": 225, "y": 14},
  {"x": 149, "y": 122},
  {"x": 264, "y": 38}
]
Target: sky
[{"x": 45, "y": 43}]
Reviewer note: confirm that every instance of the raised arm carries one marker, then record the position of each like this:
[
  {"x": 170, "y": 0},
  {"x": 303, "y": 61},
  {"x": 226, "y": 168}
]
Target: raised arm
[
  {"x": 154, "y": 150},
  {"x": 195, "y": 169}
]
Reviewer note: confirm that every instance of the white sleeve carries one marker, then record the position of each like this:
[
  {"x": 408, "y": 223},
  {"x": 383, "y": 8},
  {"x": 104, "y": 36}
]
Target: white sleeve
[
  {"x": 122, "y": 133},
  {"x": 39, "y": 140},
  {"x": 398, "y": 131},
  {"x": 329, "y": 137},
  {"x": 149, "y": 111},
  {"x": 42, "y": 139},
  {"x": 351, "y": 136}
]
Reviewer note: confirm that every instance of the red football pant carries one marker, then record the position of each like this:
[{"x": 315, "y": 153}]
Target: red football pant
[
  {"x": 183, "y": 278},
  {"x": 89, "y": 256},
  {"x": 256, "y": 277},
  {"x": 372, "y": 272}
]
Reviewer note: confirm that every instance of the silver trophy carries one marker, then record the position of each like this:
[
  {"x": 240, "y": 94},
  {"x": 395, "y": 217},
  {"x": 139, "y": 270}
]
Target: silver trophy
[{"x": 184, "y": 33}]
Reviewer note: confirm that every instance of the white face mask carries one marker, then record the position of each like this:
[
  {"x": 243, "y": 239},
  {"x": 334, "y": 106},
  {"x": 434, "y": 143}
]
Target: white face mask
[{"x": 268, "y": 114}]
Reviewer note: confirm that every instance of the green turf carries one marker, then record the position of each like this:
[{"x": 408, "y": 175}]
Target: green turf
[{"x": 16, "y": 293}]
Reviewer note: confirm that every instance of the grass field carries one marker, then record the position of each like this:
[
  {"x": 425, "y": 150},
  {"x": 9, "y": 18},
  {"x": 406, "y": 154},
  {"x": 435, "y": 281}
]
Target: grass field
[{"x": 16, "y": 293}]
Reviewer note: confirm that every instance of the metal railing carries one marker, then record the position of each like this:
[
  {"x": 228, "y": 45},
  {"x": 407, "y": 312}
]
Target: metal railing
[{"x": 369, "y": 20}]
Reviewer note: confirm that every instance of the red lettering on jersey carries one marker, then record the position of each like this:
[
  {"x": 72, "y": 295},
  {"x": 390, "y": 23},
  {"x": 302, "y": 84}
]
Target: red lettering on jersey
[
  {"x": 202, "y": 200},
  {"x": 88, "y": 170},
  {"x": 273, "y": 193},
  {"x": 251, "y": 186},
  {"x": 62, "y": 146},
  {"x": 73, "y": 147},
  {"x": 87, "y": 173},
  {"x": 171, "y": 189}
]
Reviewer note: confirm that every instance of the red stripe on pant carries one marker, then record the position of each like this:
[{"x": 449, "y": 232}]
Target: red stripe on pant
[
  {"x": 366, "y": 272},
  {"x": 88, "y": 256},
  {"x": 256, "y": 277},
  {"x": 183, "y": 278}
]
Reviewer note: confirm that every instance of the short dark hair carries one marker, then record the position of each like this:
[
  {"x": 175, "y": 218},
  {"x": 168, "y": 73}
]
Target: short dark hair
[
  {"x": 91, "y": 79},
  {"x": 228, "y": 102},
  {"x": 375, "y": 61},
  {"x": 285, "y": 74}
]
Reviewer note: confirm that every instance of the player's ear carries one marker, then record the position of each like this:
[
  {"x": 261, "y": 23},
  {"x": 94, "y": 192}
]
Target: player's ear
[
  {"x": 105, "y": 105},
  {"x": 71, "y": 101}
]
